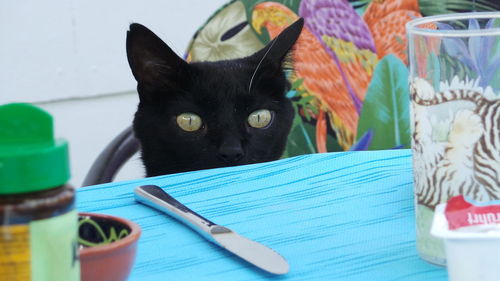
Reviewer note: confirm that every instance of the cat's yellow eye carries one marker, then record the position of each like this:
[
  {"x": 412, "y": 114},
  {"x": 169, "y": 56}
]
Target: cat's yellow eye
[
  {"x": 189, "y": 122},
  {"x": 260, "y": 118}
]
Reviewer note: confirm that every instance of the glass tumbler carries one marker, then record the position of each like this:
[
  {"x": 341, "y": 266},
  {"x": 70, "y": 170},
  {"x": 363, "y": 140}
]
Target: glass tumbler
[{"x": 455, "y": 112}]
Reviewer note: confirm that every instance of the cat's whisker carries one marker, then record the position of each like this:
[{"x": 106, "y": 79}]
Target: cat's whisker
[{"x": 258, "y": 65}]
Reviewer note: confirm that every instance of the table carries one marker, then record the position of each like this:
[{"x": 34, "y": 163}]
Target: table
[{"x": 333, "y": 216}]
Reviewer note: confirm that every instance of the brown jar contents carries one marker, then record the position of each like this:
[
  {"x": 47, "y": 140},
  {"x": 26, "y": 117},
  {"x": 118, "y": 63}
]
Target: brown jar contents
[{"x": 23, "y": 208}]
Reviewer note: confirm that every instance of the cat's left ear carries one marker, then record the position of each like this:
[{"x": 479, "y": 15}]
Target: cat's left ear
[
  {"x": 276, "y": 50},
  {"x": 151, "y": 60}
]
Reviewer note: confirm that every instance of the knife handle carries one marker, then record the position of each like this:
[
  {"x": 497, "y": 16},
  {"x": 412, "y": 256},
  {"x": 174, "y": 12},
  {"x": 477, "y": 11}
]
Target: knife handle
[{"x": 156, "y": 197}]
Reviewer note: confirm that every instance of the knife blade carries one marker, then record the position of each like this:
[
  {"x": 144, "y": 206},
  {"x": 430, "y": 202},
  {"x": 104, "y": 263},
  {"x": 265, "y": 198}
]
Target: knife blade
[{"x": 250, "y": 251}]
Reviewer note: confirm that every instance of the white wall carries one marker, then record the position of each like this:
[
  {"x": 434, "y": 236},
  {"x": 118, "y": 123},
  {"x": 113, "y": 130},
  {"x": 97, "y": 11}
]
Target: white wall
[
  {"x": 89, "y": 125},
  {"x": 69, "y": 57}
]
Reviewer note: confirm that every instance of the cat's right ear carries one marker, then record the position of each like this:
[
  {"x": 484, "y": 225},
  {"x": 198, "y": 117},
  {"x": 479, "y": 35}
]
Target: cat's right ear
[{"x": 152, "y": 62}]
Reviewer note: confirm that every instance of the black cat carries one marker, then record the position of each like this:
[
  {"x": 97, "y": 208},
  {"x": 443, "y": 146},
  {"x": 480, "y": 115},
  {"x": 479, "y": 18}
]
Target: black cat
[{"x": 209, "y": 114}]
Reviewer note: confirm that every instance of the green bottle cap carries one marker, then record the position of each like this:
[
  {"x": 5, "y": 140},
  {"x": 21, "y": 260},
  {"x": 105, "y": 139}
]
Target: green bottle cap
[{"x": 30, "y": 158}]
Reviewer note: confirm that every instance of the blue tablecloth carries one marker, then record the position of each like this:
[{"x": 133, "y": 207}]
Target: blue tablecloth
[{"x": 333, "y": 216}]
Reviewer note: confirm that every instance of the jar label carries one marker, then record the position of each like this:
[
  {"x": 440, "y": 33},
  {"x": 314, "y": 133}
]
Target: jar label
[
  {"x": 43, "y": 250},
  {"x": 15, "y": 253}
]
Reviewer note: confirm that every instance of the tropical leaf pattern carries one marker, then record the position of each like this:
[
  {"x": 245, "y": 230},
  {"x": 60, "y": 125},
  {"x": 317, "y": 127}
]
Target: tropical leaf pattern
[
  {"x": 386, "y": 108},
  {"x": 226, "y": 36},
  {"x": 478, "y": 53},
  {"x": 438, "y": 7},
  {"x": 362, "y": 44}
]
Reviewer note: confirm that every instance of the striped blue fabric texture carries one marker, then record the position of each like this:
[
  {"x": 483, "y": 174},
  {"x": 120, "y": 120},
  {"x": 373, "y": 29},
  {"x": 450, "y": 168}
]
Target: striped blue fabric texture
[{"x": 333, "y": 216}]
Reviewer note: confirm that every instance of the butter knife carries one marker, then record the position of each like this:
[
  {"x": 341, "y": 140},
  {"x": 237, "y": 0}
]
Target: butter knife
[{"x": 250, "y": 251}]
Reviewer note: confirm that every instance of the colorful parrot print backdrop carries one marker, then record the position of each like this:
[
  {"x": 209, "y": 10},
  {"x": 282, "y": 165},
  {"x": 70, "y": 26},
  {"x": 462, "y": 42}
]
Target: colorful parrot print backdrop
[{"x": 348, "y": 70}]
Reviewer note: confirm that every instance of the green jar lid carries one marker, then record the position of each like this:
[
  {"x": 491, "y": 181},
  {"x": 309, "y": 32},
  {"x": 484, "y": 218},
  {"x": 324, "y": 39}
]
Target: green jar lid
[{"x": 30, "y": 158}]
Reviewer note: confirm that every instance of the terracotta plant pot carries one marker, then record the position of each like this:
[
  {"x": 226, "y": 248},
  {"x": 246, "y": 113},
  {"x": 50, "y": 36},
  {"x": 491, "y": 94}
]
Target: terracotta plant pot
[{"x": 109, "y": 247}]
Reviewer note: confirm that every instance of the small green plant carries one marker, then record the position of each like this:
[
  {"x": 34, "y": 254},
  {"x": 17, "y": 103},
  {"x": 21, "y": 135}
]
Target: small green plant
[{"x": 113, "y": 236}]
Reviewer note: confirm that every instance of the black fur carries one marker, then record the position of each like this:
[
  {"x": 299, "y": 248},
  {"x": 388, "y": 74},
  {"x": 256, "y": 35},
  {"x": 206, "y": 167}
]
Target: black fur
[{"x": 216, "y": 91}]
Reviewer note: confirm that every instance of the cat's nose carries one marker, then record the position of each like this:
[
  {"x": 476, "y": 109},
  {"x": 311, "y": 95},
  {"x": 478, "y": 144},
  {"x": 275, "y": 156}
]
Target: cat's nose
[{"x": 231, "y": 151}]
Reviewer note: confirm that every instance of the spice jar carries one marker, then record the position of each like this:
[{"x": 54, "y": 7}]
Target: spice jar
[{"x": 38, "y": 220}]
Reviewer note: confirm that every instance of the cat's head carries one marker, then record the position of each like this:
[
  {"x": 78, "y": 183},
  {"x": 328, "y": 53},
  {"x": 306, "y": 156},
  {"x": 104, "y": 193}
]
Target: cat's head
[{"x": 203, "y": 115}]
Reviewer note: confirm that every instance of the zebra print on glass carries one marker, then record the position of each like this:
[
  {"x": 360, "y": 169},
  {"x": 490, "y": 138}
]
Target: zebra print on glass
[{"x": 468, "y": 161}]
